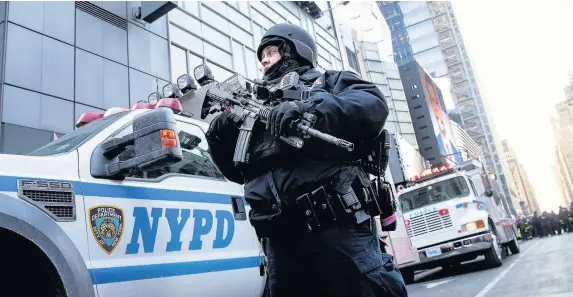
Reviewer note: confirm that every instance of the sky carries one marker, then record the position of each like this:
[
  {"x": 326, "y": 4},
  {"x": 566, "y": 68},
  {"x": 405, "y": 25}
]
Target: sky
[{"x": 522, "y": 54}]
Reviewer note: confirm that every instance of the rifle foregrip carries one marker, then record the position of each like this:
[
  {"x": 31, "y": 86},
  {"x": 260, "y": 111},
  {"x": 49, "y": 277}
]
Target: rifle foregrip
[{"x": 294, "y": 141}]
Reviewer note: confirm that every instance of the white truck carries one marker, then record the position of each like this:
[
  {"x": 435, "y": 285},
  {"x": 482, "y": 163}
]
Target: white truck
[
  {"x": 452, "y": 216},
  {"x": 90, "y": 216}
]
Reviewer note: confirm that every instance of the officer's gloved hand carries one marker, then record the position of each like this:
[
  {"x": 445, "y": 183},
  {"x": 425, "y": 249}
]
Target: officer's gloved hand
[
  {"x": 223, "y": 126},
  {"x": 283, "y": 116}
]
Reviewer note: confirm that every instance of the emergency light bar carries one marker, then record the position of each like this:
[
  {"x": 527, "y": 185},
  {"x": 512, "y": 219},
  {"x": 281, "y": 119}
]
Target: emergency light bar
[
  {"x": 432, "y": 171},
  {"x": 142, "y": 105},
  {"x": 114, "y": 110},
  {"x": 88, "y": 117},
  {"x": 172, "y": 103}
]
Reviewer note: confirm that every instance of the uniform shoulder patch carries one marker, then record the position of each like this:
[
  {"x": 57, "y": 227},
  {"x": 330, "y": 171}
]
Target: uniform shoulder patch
[{"x": 106, "y": 224}]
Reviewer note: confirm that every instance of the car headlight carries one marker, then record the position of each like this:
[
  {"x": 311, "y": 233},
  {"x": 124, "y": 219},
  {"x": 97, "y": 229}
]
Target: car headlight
[{"x": 473, "y": 225}]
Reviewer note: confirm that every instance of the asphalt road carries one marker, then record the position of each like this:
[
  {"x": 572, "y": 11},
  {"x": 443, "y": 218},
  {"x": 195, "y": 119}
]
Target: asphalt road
[{"x": 544, "y": 268}]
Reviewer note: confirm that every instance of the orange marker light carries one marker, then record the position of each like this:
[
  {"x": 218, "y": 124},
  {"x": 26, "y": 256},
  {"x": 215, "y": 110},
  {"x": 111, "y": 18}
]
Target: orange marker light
[{"x": 168, "y": 138}]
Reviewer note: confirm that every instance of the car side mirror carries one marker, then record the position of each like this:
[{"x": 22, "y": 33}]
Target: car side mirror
[
  {"x": 153, "y": 144},
  {"x": 488, "y": 193}
]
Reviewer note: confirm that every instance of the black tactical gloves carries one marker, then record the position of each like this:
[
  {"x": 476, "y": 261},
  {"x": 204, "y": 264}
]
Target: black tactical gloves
[
  {"x": 222, "y": 138},
  {"x": 284, "y": 116},
  {"x": 223, "y": 126}
]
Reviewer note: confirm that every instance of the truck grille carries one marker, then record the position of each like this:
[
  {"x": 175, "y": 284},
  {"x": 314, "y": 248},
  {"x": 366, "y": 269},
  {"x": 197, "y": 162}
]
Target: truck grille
[
  {"x": 56, "y": 198},
  {"x": 429, "y": 222}
]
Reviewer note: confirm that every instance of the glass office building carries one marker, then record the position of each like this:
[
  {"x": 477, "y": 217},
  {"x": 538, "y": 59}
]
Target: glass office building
[
  {"x": 61, "y": 59},
  {"x": 428, "y": 33}
]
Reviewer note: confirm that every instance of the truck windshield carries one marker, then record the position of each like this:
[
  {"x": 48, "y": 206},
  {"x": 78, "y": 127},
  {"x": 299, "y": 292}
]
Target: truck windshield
[
  {"x": 441, "y": 191},
  {"x": 71, "y": 141}
]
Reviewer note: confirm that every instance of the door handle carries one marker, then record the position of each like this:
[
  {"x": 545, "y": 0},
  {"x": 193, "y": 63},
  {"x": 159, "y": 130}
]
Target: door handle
[{"x": 239, "y": 208}]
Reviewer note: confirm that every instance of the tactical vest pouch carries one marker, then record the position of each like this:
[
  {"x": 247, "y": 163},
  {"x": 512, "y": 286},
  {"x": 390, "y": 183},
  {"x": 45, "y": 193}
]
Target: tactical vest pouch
[
  {"x": 318, "y": 209},
  {"x": 383, "y": 204}
]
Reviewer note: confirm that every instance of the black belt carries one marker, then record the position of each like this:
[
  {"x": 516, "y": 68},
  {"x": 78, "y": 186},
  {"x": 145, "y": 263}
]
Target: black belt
[{"x": 323, "y": 207}]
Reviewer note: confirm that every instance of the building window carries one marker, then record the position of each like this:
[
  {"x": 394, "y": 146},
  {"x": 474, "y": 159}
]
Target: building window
[
  {"x": 178, "y": 62},
  {"x": 352, "y": 59}
]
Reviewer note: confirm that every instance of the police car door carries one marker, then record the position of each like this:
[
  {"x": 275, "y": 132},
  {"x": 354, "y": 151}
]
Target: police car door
[{"x": 177, "y": 231}]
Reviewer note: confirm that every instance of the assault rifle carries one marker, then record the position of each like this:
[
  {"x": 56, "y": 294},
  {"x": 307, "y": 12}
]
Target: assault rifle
[{"x": 239, "y": 96}]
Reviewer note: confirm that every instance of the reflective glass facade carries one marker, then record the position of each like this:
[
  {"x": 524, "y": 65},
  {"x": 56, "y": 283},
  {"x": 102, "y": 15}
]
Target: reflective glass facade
[
  {"x": 66, "y": 58},
  {"x": 428, "y": 33}
]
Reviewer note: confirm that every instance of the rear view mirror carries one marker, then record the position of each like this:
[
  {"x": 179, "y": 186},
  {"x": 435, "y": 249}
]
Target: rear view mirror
[
  {"x": 154, "y": 143},
  {"x": 488, "y": 193}
]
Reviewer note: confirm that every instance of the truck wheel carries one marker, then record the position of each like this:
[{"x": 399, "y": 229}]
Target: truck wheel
[
  {"x": 494, "y": 255},
  {"x": 513, "y": 245},
  {"x": 42, "y": 280},
  {"x": 407, "y": 275}
]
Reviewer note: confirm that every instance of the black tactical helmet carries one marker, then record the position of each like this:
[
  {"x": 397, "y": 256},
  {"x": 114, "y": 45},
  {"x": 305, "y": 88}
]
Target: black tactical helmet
[{"x": 304, "y": 43}]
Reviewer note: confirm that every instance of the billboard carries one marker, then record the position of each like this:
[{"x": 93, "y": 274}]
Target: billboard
[{"x": 440, "y": 119}]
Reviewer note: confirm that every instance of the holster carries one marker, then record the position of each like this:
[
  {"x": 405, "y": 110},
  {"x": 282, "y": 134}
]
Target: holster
[{"x": 265, "y": 224}]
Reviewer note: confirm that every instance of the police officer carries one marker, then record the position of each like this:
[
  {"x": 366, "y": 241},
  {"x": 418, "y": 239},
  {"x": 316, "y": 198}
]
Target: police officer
[
  {"x": 536, "y": 223},
  {"x": 555, "y": 227},
  {"x": 344, "y": 258},
  {"x": 564, "y": 219},
  {"x": 545, "y": 224}
]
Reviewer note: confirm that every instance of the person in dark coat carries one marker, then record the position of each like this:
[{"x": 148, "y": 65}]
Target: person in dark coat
[
  {"x": 564, "y": 219},
  {"x": 555, "y": 225},
  {"x": 345, "y": 258},
  {"x": 545, "y": 223}
]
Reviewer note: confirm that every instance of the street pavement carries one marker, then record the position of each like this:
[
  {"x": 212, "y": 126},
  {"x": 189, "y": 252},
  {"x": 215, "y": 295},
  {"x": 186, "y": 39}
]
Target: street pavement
[{"x": 544, "y": 268}]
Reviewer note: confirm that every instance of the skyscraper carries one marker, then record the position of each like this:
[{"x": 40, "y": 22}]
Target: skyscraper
[
  {"x": 365, "y": 45},
  {"x": 524, "y": 201},
  {"x": 428, "y": 33},
  {"x": 466, "y": 146},
  {"x": 563, "y": 133}
]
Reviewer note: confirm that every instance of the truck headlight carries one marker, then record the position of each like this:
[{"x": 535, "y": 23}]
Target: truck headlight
[{"x": 473, "y": 225}]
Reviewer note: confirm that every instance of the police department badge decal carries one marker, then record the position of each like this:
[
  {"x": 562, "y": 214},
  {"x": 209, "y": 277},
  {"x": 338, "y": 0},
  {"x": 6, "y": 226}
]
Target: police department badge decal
[{"x": 106, "y": 223}]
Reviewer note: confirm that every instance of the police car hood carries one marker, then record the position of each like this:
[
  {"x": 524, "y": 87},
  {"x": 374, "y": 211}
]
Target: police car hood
[{"x": 57, "y": 167}]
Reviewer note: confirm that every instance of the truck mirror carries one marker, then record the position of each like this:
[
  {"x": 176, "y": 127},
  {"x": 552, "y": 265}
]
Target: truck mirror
[
  {"x": 488, "y": 193},
  {"x": 153, "y": 144}
]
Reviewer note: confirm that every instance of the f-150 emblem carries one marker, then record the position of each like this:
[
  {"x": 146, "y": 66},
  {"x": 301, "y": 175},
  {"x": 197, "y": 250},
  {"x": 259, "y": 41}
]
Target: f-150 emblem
[{"x": 106, "y": 223}]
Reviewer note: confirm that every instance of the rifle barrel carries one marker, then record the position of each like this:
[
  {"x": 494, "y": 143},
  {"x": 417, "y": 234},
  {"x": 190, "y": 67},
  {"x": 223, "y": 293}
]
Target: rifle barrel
[{"x": 349, "y": 146}]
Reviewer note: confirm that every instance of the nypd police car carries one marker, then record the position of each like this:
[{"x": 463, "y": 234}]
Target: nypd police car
[{"x": 129, "y": 204}]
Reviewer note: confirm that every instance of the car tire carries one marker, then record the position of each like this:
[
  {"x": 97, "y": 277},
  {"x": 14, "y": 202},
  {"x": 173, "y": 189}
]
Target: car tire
[
  {"x": 494, "y": 255},
  {"x": 407, "y": 275},
  {"x": 513, "y": 245}
]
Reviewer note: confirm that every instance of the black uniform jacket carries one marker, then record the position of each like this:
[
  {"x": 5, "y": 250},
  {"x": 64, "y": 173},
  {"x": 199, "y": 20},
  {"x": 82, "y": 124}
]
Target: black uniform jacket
[{"x": 346, "y": 107}]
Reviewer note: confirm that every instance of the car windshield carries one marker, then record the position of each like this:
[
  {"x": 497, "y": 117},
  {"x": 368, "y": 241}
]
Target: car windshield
[
  {"x": 71, "y": 141},
  {"x": 438, "y": 192}
]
